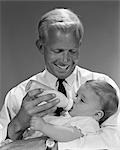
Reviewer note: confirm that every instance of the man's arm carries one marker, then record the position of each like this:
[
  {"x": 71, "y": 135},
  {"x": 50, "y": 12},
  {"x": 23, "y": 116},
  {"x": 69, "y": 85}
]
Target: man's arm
[
  {"x": 15, "y": 129},
  {"x": 29, "y": 108},
  {"x": 29, "y": 144}
]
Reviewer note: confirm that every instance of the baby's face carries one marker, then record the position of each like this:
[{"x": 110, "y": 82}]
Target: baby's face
[{"x": 86, "y": 103}]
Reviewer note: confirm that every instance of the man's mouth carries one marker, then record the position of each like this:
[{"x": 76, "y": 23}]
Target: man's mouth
[{"x": 62, "y": 67}]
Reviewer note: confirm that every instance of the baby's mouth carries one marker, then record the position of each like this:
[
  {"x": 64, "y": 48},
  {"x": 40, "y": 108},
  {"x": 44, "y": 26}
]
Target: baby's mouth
[{"x": 71, "y": 109}]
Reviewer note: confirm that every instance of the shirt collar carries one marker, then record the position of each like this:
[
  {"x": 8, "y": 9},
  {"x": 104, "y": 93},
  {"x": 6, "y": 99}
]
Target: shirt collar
[
  {"x": 51, "y": 79},
  {"x": 72, "y": 77}
]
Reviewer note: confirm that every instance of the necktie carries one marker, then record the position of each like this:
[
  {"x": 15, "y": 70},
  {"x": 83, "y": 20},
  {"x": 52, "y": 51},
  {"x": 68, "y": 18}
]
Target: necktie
[{"x": 61, "y": 89}]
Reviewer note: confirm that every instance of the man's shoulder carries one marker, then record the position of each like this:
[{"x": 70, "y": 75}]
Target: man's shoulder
[
  {"x": 83, "y": 70},
  {"x": 21, "y": 86},
  {"x": 87, "y": 72},
  {"x": 17, "y": 92}
]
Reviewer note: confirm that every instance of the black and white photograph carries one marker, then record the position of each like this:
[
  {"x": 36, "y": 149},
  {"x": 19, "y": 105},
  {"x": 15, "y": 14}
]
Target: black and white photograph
[{"x": 60, "y": 75}]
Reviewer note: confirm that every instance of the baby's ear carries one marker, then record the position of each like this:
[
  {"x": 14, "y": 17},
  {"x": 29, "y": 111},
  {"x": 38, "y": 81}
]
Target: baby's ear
[{"x": 98, "y": 115}]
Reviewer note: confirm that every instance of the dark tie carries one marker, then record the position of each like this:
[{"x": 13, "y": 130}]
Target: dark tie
[{"x": 61, "y": 89}]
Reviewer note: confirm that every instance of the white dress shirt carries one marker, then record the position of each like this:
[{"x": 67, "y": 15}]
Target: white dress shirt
[{"x": 13, "y": 100}]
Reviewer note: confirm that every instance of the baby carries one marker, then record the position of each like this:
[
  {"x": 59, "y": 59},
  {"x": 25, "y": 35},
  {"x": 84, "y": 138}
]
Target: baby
[{"x": 95, "y": 102}]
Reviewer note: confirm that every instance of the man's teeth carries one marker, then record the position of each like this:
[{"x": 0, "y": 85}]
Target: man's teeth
[{"x": 63, "y": 67}]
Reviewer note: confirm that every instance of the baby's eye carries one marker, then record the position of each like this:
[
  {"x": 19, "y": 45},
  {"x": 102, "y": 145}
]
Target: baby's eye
[{"x": 82, "y": 100}]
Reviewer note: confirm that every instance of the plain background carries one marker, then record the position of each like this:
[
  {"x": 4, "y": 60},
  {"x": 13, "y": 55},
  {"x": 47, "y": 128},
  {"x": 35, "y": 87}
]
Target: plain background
[{"x": 20, "y": 59}]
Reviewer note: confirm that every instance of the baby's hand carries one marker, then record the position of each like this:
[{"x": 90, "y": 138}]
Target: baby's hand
[{"x": 37, "y": 123}]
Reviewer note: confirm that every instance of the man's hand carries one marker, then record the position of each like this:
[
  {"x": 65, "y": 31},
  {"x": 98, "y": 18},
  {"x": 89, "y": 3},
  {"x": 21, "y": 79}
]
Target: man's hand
[{"x": 30, "y": 107}]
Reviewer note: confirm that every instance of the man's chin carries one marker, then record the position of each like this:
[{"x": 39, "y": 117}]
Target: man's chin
[
  {"x": 61, "y": 76},
  {"x": 64, "y": 74}
]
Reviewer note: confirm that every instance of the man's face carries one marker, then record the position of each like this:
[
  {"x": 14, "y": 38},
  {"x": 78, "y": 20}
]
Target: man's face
[
  {"x": 87, "y": 103},
  {"x": 61, "y": 53}
]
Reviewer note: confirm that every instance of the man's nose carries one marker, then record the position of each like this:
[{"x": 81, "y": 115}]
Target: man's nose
[{"x": 66, "y": 57}]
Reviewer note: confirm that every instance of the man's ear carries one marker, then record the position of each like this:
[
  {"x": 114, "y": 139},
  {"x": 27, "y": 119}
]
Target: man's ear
[
  {"x": 98, "y": 115},
  {"x": 40, "y": 46}
]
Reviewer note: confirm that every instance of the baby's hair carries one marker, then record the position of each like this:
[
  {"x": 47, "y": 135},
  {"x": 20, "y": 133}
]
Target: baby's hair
[
  {"x": 108, "y": 97},
  {"x": 61, "y": 19}
]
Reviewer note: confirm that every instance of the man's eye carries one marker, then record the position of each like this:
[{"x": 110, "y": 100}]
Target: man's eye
[
  {"x": 57, "y": 50},
  {"x": 73, "y": 51}
]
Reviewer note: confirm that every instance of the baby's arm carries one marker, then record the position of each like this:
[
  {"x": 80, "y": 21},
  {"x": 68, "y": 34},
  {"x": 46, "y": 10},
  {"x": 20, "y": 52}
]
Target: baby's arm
[{"x": 58, "y": 133}]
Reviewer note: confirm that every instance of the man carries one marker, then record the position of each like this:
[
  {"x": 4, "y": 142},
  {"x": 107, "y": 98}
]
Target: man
[{"x": 60, "y": 37}]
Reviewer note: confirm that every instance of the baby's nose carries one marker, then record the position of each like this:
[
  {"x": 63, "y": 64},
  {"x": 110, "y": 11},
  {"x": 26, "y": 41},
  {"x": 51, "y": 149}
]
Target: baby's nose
[{"x": 75, "y": 100}]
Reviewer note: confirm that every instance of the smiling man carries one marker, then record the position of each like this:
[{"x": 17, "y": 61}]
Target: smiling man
[
  {"x": 61, "y": 52},
  {"x": 60, "y": 37}
]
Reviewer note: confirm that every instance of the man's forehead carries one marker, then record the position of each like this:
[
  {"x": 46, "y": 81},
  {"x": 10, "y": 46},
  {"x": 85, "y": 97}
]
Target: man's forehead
[
  {"x": 58, "y": 35},
  {"x": 57, "y": 32}
]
